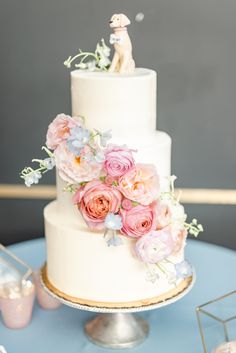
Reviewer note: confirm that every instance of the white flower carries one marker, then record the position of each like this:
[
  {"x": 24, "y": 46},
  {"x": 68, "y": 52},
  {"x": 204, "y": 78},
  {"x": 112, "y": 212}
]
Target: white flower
[
  {"x": 103, "y": 53},
  {"x": 103, "y": 61},
  {"x": 81, "y": 65},
  {"x": 91, "y": 65}
]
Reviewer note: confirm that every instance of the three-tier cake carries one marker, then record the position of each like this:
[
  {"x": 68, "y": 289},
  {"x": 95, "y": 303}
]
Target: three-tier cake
[{"x": 116, "y": 232}]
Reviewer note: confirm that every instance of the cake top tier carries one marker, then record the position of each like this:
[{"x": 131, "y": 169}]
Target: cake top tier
[{"x": 125, "y": 103}]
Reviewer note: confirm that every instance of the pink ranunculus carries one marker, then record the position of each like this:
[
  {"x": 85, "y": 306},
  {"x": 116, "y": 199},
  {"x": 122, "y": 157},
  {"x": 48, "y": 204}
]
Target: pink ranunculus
[
  {"x": 138, "y": 221},
  {"x": 118, "y": 160},
  {"x": 95, "y": 200},
  {"x": 155, "y": 246},
  {"x": 140, "y": 184},
  {"x": 59, "y": 130},
  {"x": 74, "y": 169}
]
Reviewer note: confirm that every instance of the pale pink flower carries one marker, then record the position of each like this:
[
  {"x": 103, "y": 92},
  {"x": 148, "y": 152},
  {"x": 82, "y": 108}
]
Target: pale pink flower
[
  {"x": 73, "y": 169},
  {"x": 163, "y": 215},
  {"x": 59, "y": 130},
  {"x": 168, "y": 212},
  {"x": 118, "y": 160},
  {"x": 155, "y": 246},
  {"x": 138, "y": 220},
  {"x": 95, "y": 200},
  {"x": 179, "y": 235},
  {"x": 140, "y": 184}
]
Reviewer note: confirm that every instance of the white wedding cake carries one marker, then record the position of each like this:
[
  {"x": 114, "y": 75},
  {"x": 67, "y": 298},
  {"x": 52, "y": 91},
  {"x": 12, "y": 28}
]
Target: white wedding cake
[{"x": 116, "y": 232}]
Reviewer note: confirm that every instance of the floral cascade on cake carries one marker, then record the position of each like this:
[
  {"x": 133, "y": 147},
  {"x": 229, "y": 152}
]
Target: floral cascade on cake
[{"x": 116, "y": 195}]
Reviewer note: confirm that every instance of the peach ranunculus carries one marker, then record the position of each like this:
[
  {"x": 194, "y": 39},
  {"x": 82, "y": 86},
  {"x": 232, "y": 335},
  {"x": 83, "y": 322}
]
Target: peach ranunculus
[
  {"x": 73, "y": 169},
  {"x": 140, "y": 184},
  {"x": 95, "y": 200},
  {"x": 138, "y": 221},
  {"x": 118, "y": 160},
  {"x": 59, "y": 130}
]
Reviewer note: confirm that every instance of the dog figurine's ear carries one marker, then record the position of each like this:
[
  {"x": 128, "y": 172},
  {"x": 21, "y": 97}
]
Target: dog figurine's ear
[{"x": 124, "y": 21}]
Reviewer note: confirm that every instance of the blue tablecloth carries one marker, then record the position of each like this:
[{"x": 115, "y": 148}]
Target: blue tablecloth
[{"x": 173, "y": 329}]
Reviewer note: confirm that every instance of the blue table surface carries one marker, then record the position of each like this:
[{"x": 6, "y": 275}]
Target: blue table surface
[{"x": 172, "y": 328}]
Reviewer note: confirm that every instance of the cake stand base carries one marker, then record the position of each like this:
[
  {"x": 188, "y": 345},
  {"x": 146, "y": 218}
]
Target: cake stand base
[{"x": 117, "y": 331}]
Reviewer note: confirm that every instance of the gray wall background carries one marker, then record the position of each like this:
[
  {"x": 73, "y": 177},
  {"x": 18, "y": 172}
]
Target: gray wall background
[{"x": 191, "y": 43}]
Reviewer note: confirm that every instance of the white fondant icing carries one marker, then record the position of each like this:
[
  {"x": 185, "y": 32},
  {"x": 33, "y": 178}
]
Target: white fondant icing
[{"x": 125, "y": 103}]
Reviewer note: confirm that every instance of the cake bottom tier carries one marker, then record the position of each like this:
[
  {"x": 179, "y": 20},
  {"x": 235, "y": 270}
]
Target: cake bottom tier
[{"x": 82, "y": 268}]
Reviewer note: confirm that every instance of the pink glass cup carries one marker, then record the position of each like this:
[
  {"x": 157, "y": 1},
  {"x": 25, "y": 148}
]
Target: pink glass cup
[
  {"x": 45, "y": 300},
  {"x": 17, "y": 312}
]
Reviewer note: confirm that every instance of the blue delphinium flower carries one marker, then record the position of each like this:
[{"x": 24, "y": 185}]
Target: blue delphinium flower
[
  {"x": 49, "y": 163},
  {"x": 105, "y": 137},
  {"x": 114, "y": 241},
  {"x": 99, "y": 157},
  {"x": 79, "y": 137},
  {"x": 113, "y": 221},
  {"x": 32, "y": 178},
  {"x": 183, "y": 269}
]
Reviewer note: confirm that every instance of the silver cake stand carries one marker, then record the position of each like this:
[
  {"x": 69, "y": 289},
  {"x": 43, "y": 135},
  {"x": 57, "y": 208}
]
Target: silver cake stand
[{"x": 118, "y": 328}]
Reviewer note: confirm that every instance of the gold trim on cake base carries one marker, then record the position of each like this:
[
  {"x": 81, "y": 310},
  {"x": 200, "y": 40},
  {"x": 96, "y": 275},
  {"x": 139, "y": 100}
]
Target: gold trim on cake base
[{"x": 116, "y": 305}]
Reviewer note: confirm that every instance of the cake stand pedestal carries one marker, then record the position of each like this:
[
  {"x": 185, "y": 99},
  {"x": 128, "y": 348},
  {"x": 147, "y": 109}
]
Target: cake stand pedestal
[
  {"x": 117, "y": 331},
  {"x": 116, "y": 328}
]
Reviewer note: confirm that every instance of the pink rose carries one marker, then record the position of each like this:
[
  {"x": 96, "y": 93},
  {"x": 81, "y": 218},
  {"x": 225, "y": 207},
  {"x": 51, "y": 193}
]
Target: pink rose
[
  {"x": 155, "y": 246},
  {"x": 74, "y": 169},
  {"x": 59, "y": 130},
  {"x": 140, "y": 184},
  {"x": 95, "y": 200},
  {"x": 118, "y": 160},
  {"x": 138, "y": 221}
]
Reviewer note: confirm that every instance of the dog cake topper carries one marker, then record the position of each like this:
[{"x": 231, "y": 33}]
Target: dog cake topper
[{"x": 122, "y": 61}]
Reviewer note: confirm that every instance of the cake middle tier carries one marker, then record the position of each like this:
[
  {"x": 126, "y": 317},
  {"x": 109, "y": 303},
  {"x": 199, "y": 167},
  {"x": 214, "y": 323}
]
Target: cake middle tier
[{"x": 124, "y": 103}]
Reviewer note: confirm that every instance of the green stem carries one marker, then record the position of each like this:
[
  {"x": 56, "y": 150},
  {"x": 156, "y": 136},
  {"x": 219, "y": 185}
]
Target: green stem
[
  {"x": 48, "y": 151},
  {"x": 83, "y": 54}
]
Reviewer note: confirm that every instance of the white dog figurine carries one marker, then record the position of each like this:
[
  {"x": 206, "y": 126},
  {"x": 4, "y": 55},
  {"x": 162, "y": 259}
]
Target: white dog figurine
[{"x": 122, "y": 60}]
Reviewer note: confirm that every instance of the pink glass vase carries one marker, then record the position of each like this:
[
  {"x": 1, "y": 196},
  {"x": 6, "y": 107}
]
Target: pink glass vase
[
  {"x": 17, "y": 310},
  {"x": 45, "y": 300}
]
